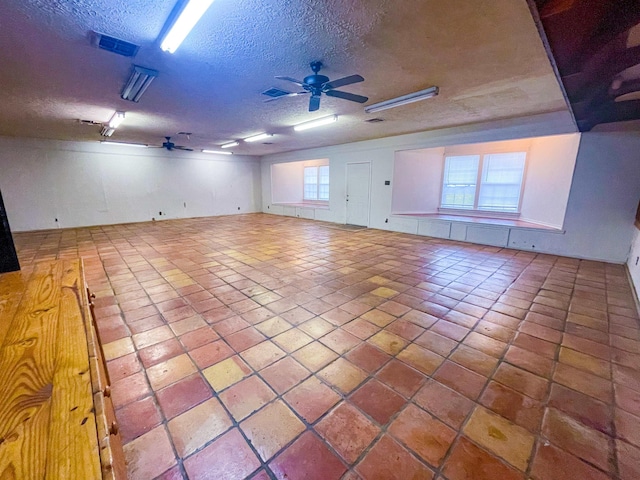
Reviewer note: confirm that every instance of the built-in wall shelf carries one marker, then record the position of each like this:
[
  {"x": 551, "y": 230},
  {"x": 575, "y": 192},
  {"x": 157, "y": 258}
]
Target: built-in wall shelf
[
  {"x": 499, "y": 232},
  {"x": 310, "y": 211},
  {"x": 501, "y": 222}
]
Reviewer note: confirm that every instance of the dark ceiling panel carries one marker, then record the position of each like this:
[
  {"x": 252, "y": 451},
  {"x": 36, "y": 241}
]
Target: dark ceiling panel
[{"x": 589, "y": 43}]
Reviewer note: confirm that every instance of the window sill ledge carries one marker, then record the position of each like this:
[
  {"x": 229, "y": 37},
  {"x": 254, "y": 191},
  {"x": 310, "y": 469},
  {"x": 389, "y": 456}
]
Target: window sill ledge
[
  {"x": 319, "y": 206},
  {"x": 499, "y": 222}
]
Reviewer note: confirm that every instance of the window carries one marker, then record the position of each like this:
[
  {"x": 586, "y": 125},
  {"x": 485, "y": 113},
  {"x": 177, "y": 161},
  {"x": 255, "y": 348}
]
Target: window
[
  {"x": 316, "y": 183},
  {"x": 490, "y": 182},
  {"x": 459, "y": 185}
]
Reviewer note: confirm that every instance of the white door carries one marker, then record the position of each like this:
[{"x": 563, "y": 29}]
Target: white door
[{"x": 358, "y": 193}]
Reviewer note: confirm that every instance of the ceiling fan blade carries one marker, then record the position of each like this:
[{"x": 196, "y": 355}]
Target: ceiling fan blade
[
  {"x": 292, "y": 80},
  {"x": 295, "y": 94},
  {"x": 347, "y": 96},
  {"x": 180, "y": 147},
  {"x": 341, "y": 82},
  {"x": 314, "y": 103}
]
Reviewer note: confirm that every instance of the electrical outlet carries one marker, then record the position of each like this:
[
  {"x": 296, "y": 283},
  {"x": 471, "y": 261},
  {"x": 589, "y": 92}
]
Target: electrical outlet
[{"x": 238, "y": 208}]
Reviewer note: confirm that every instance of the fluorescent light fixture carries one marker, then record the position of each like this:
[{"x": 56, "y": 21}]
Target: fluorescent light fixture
[
  {"x": 230, "y": 144},
  {"x": 138, "y": 82},
  {"x": 403, "y": 100},
  {"x": 218, "y": 152},
  {"x": 257, "y": 138},
  {"x": 122, "y": 144},
  {"x": 116, "y": 120},
  {"x": 187, "y": 19},
  {"x": 316, "y": 123},
  {"x": 106, "y": 131}
]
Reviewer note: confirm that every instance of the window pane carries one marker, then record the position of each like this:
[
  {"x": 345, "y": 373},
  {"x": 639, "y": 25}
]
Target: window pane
[
  {"x": 501, "y": 181},
  {"x": 310, "y": 174},
  {"x": 324, "y": 174},
  {"x": 310, "y": 183},
  {"x": 323, "y": 188},
  {"x": 323, "y": 192},
  {"x": 311, "y": 192},
  {"x": 459, "y": 185}
]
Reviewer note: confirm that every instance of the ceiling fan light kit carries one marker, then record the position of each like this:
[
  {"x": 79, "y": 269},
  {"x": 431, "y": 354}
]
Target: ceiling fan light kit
[
  {"x": 257, "y": 138},
  {"x": 403, "y": 100},
  {"x": 316, "y": 123},
  {"x": 191, "y": 12},
  {"x": 137, "y": 83},
  {"x": 230, "y": 144}
]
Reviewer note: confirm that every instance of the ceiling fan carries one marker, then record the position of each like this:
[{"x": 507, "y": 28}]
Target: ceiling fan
[
  {"x": 317, "y": 84},
  {"x": 169, "y": 145}
]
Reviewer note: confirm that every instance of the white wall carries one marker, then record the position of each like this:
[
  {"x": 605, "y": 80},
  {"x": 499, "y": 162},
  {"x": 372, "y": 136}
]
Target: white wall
[
  {"x": 551, "y": 162},
  {"x": 287, "y": 180},
  {"x": 602, "y": 202},
  {"x": 417, "y": 178},
  {"x": 600, "y": 209},
  {"x": 82, "y": 183}
]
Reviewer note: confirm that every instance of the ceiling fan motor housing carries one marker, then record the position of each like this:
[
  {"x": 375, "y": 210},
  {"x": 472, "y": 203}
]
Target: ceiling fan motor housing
[{"x": 315, "y": 82}]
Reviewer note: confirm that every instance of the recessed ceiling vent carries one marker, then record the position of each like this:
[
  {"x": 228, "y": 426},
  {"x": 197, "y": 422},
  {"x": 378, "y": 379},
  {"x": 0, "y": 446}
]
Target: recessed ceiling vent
[
  {"x": 375, "y": 120},
  {"x": 115, "y": 45},
  {"x": 274, "y": 92}
]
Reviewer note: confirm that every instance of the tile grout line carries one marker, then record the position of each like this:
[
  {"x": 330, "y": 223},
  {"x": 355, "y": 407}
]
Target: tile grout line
[{"x": 460, "y": 430}]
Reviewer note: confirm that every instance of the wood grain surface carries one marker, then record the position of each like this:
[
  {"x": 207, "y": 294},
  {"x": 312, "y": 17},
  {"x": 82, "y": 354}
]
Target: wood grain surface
[{"x": 47, "y": 424}]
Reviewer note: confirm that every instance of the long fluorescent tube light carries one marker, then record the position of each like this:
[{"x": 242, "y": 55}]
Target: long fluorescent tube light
[
  {"x": 138, "y": 83},
  {"x": 315, "y": 123},
  {"x": 116, "y": 120},
  {"x": 189, "y": 16},
  {"x": 106, "y": 131},
  {"x": 403, "y": 100},
  {"x": 122, "y": 144},
  {"x": 218, "y": 152},
  {"x": 230, "y": 144},
  {"x": 256, "y": 138}
]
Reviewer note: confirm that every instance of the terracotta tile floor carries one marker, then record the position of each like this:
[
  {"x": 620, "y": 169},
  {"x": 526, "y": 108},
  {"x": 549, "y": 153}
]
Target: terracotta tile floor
[{"x": 259, "y": 346}]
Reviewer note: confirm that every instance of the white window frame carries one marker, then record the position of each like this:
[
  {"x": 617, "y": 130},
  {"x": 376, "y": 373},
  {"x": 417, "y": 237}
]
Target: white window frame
[
  {"x": 475, "y": 211},
  {"x": 317, "y": 198}
]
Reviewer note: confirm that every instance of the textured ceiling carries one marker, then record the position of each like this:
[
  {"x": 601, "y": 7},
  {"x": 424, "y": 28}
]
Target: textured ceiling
[{"x": 485, "y": 55}]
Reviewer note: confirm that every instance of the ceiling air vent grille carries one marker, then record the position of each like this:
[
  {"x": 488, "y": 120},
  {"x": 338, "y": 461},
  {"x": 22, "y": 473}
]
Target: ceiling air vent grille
[
  {"x": 115, "y": 45},
  {"x": 275, "y": 92},
  {"x": 374, "y": 120}
]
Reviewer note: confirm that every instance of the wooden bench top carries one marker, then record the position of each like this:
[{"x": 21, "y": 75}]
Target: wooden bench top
[{"x": 47, "y": 419}]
